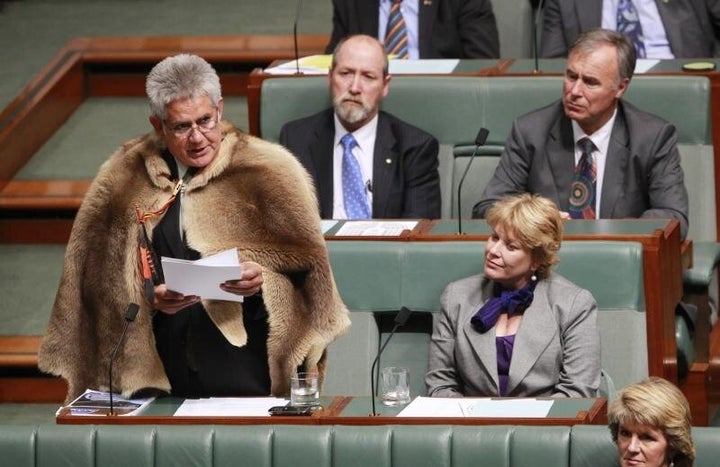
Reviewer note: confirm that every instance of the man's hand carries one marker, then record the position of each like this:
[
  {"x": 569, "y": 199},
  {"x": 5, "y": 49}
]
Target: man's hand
[
  {"x": 171, "y": 302},
  {"x": 249, "y": 283}
]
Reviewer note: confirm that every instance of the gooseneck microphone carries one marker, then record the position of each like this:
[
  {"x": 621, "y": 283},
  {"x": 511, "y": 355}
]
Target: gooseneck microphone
[
  {"x": 295, "y": 37},
  {"x": 400, "y": 319},
  {"x": 536, "y": 22},
  {"x": 480, "y": 140},
  {"x": 130, "y": 314}
]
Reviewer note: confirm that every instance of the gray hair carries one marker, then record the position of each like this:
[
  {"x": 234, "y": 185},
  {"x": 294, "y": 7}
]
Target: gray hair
[
  {"x": 181, "y": 77},
  {"x": 626, "y": 55}
]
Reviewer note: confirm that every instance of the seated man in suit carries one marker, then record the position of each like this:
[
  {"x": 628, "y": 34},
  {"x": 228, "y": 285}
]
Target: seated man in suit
[
  {"x": 593, "y": 154},
  {"x": 365, "y": 163},
  {"x": 434, "y": 29},
  {"x": 658, "y": 29}
]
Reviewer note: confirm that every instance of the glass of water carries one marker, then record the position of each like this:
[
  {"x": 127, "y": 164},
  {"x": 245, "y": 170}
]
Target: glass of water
[
  {"x": 304, "y": 390},
  {"x": 395, "y": 386}
]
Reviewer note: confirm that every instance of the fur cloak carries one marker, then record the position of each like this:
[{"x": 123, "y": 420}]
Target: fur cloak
[{"x": 254, "y": 196}]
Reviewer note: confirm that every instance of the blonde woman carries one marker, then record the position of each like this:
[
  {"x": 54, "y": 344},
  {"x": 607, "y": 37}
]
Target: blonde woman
[{"x": 518, "y": 329}]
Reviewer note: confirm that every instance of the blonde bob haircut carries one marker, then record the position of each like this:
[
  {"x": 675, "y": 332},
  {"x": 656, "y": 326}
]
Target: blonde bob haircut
[
  {"x": 535, "y": 223},
  {"x": 658, "y": 403}
]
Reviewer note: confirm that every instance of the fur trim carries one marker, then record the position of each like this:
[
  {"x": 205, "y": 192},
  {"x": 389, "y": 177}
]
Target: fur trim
[{"x": 254, "y": 196}]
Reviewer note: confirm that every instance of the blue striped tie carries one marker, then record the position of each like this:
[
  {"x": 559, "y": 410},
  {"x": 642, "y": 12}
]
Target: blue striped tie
[
  {"x": 396, "y": 40},
  {"x": 356, "y": 205},
  {"x": 629, "y": 25}
]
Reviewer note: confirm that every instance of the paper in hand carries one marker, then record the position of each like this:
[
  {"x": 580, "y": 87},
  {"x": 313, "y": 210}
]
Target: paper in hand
[{"x": 203, "y": 277}]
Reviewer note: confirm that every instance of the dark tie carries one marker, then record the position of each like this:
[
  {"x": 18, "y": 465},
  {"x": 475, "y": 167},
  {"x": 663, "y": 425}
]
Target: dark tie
[
  {"x": 628, "y": 24},
  {"x": 396, "y": 41},
  {"x": 582, "y": 192},
  {"x": 356, "y": 205}
]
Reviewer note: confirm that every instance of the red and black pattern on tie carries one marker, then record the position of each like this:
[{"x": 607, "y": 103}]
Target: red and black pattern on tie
[
  {"x": 396, "y": 40},
  {"x": 582, "y": 191}
]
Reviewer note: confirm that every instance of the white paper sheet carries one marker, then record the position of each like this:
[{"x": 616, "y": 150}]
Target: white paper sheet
[
  {"x": 477, "y": 407},
  {"x": 326, "y": 225},
  {"x": 642, "y": 65},
  {"x": 375, "y": 228},
  {"x": 438, "y": 66},
  {"x": 229, "y": 406},
  {"x": 203, "y": 277}
]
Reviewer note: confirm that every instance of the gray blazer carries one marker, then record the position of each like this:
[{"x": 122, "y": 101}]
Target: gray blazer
[
  {"x": 643, "y": 177},
  {"x": 556, "y": 351},
  {"x": 692, "y": 26}
]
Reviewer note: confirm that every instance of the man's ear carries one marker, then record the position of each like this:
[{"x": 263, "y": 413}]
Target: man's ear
[
  {"x": 622, "y": 87},
  {"x": 156, "y": 123}
]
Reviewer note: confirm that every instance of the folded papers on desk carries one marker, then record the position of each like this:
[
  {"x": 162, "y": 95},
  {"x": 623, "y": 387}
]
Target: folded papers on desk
[
  {"x": 477, "y": 407},
  {"x": 375, "y": 228},
  {"x": 229, "y": 407},
  {"x": 203, "y": 277},
  {"x": 98, "y": 403}
]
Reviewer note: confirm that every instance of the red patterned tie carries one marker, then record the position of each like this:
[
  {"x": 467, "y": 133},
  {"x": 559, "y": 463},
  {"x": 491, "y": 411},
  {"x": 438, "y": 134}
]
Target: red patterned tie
[
  {"x": 396, "y": 41},
  {"x": 582, "y": 192}
]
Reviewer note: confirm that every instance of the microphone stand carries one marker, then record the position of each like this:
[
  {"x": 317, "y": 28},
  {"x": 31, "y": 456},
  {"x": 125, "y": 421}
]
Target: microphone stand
[
  {"x": 130, "y": 314},
  {"x": 479, "y": 141},
  {"x": 536, "y": 52},
  {"x": 295, "y": 37},
  {"x": 400, "y": 319}
]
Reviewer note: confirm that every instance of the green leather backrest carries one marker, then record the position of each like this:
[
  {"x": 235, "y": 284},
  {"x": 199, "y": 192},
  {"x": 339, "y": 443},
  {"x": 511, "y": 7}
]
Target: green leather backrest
[
  {"x": 320, "y": 446},
  {"x": 377, "y": 277},
  {"x": 453, "y": 108}
]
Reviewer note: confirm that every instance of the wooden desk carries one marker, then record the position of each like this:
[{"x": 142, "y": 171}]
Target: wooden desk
[{"x": 346, "y": 410}]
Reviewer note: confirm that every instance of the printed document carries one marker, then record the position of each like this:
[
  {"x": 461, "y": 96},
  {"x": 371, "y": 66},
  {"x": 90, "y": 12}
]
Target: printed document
[{"x": 203, "y": 277}]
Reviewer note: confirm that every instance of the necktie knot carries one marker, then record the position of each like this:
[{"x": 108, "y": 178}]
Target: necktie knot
[
  {"x": 348, "y": 142},
  {"x": 586, "y": 145}
]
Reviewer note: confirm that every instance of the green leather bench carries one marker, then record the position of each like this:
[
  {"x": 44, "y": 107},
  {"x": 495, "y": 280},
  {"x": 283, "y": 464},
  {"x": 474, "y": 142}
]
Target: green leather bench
[
  {"x": 376, "y": 279},
  {"x": 320, "y": 446}
]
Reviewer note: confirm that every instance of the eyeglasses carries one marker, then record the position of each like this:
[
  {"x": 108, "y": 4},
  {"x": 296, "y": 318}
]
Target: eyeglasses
[{"x": 184, "y": 129}]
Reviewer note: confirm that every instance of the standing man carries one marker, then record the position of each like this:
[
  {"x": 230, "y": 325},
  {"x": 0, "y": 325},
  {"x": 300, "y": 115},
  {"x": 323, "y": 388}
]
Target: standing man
[
  {"x": 365, "y": 163},
  {"x": 658, "y": 28},
  {"x": 434, "y": 28},
  {"x": 592, "y": 153},
  {"x": 194, "y": 187}
]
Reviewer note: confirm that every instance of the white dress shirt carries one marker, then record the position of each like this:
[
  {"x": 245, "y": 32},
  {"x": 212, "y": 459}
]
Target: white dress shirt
[
  {"x": 409, "y": 10},
  {"x": 654, "y": 36}
]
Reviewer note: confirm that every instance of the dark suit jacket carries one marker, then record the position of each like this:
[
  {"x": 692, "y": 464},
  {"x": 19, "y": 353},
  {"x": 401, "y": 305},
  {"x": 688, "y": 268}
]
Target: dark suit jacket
[
  {"x": 447, "y": 28},
  {"x": 692, "y": 26},
  {"x": 556, "y": 351},
  {"x": 406, "y": 183},
  {"x": 642, "y": 178}
]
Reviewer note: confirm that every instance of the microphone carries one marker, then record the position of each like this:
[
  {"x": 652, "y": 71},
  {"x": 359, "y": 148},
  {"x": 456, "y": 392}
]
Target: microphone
[
  {"x": 295, "y": 37},
  {"x": 130, "y": 314},
  {"x": 400, "y": 319},
  {"x": 479, "y": 141},
  {"x": 536, "y": 21}
]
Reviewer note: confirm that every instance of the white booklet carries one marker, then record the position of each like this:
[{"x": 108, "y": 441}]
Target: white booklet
[
  {"x": 203, "y": 277},
  {"x": 98, "y": 403}
]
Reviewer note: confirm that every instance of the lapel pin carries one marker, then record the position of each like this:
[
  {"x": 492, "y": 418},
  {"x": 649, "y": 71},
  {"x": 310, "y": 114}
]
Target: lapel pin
[
  {"x": 388, "y": 161},
  {"x": 429, "y": 2}
]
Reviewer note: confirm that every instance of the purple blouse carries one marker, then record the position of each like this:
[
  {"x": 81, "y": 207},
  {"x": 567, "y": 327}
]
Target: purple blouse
[{"x": 504, "y": 345}]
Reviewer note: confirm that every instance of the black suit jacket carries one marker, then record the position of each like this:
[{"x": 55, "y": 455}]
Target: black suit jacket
[
  {"x": 692, "y": 26},
  {"x": 447, "y": 28},
  {"x": 406, "y": 183}
]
